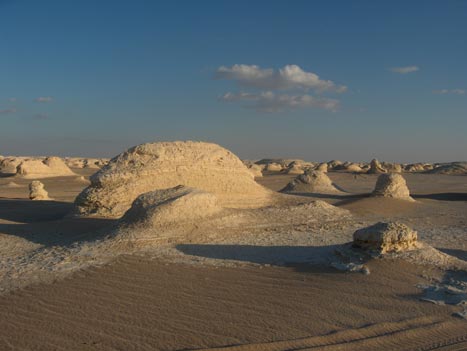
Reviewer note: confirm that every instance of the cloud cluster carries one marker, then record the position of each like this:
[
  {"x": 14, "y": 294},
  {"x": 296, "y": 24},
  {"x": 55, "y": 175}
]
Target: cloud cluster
[
  {"x": 267, "y": 82},
  {"x": 44, "y": 99},
  {"x": 288, "y": 77},
  {"x": 405, "y": 69},
  {"x": 450, "y": 91},
  {"x": 270, "y": 102}
]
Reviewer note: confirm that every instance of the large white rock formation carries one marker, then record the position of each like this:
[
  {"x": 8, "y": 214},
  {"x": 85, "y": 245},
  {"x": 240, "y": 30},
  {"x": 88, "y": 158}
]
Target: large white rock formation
[{"x": 163, "y": 165}]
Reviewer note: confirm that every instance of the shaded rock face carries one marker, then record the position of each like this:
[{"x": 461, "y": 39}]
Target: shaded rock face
[
  {"x": 392, "y": 185},
  {"x": 375, "y": 167},
  {"x": 385, "y": 237},
  {"x": 311, "y": 182},
  {"x": 37, "y": 191},
  {"x": 175, "y": 206},
  {"x": 50, "y": 167},
  {"x": 163, "y": 165}
]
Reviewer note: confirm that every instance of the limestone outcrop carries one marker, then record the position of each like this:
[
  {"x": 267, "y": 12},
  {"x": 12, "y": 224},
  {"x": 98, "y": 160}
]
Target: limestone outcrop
[{"x": 163, "y": 165}]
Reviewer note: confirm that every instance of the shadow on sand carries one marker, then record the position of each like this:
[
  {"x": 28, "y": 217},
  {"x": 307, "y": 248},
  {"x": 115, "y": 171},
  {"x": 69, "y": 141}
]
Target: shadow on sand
[
  {"x": 301, "y": 258},
  {"x": 443, "y": 196},
  {"x": 45, "y": 222}
]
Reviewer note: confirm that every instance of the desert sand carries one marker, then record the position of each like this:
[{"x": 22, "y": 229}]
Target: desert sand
[{"x": 177, "y": 266}]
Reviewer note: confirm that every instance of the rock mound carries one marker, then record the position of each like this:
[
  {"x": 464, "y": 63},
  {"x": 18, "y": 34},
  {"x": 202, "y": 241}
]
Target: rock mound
[
  {"x": 49, "y": 167},
  {"x": 311, "y": 182},
  {"x": 386, "y": 237},
  {"x": 392, "y": 185},
  {"x": 37, "y": 191},
  {"x": 174, "y": 206},
  {"x": 163, "y": 165}
]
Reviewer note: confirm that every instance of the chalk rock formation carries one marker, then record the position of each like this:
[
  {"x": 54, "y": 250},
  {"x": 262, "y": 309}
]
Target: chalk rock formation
[
  {"x": 174, "y": 206},
  {"x": 353, "y": 167},
  {"x": 375, "y": 167},
  {"x": 322, "y": 167},
  {"x": 273, "y": 167},
  {"x": 392, "y": 185},
  {"x": 37, "y": 169},
  {"x": 311, "y": 182},
  {"x": 37, "y": 191},
  {"x": 8, "y": 165},
  {"x": 386, "y": 237},
  {"x": 163, "y": 165},
  {"x": 294, "y": 169},
  {"x": 455, "y": 168}
]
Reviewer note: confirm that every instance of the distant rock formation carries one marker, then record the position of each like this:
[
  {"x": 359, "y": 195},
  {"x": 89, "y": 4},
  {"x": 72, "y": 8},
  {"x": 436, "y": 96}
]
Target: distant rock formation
[
  {"x": 392, "y": 185},
  {"x": 311, "y": 182},
  {"x": 37, "y": 191},
  {"x": 375, "y": 167},
  {"x": 37, "y": 168},
  {"x": 385, "y": 237}
]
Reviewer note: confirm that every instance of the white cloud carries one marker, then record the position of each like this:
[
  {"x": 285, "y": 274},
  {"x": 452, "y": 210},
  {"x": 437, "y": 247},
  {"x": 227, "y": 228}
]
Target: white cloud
[
  {"x": 405, "y": 69},
  {"x": 44, "y": 99},
  {"x": 271, "y": 102},
  {"x": 288, "y": 77},
  {"x": 450, "y": 91},
  {"x": 7, "y": 111}
]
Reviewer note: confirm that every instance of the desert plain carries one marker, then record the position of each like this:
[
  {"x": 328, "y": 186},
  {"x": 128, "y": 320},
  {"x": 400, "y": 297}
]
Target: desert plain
[{"x": 182, "y": 246}]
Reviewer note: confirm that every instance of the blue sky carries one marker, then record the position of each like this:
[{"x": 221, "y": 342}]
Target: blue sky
[{"x": 92, "y": 78}]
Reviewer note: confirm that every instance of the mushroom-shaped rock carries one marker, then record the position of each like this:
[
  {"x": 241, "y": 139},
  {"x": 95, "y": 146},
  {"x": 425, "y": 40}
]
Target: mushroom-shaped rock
[
  {"x": 386, "y": 237},
  {"x": 174, "y": 206},
  {"x": 392, "y": 185},
  {"x": 37, "y": 191},
  {"x": 311, "y": 182},
  {"x": 375, "y": 167},
  {"x": 163, "y": 165}
]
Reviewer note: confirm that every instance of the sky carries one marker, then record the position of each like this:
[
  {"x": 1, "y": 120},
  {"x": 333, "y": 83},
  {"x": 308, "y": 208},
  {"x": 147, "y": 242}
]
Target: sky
[{"x": 317, "y": 80}]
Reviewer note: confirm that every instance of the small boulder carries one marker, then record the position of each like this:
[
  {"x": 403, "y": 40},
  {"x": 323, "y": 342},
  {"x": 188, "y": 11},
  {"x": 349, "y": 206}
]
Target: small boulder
[{"x": 385, "y": 237}]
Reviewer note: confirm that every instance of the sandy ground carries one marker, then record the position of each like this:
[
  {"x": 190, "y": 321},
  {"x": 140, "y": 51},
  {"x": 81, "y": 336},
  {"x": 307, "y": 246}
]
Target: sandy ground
[{"x": 247, "y": 289}]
